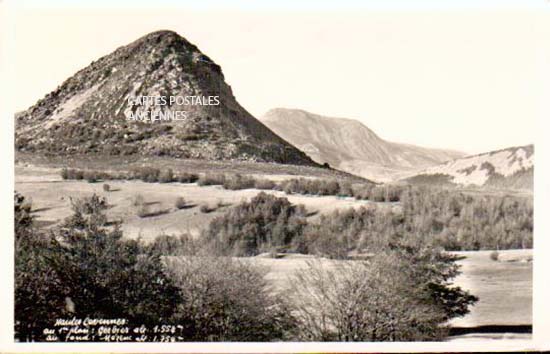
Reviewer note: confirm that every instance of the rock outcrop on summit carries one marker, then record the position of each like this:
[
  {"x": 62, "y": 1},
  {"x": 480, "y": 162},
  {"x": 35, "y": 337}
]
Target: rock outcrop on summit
[{"x": 88, "y": 113}]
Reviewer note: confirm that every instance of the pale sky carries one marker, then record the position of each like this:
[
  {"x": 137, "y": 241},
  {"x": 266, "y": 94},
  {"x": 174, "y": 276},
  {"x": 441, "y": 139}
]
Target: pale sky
[{"x": 473, "y": 77}]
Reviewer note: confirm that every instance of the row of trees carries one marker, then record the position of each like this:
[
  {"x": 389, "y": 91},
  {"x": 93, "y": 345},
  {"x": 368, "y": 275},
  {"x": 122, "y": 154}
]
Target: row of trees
[
  {"x": 458, "y": 221},
  {"x": 306, "y": 186}
]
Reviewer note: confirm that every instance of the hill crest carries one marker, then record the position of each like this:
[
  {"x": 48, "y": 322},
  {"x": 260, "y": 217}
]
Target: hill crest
[
  {"x": 88, "y": 113},
  {"x": 510, "y": 168},
  {"x": 349, "y": 145}
]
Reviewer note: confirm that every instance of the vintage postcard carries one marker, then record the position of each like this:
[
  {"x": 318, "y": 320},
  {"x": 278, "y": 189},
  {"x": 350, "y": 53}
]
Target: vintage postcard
[{"x": 308, "y": 176}]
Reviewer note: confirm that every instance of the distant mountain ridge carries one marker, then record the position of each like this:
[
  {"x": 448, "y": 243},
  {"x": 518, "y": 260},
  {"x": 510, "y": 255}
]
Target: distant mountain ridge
[
  {"x": 349, "y": 145},
  {"x": 510, "y": 168},
  {"x": 88, "y": 113}
]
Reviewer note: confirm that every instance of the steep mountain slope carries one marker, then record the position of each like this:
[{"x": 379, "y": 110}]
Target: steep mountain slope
[
  {"x": 349, "y": 145},
  {"x": 508, "y": 168},
  {"x": 94, "y": 111}
]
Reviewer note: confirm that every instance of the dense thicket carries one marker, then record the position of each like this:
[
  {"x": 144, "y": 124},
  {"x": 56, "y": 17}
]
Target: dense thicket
[
  {"x": 450, "y": 219},
  {"x": 264, "y": 224},
  {"x": 459, "y": 221},
  {"x": 86, "y": 269},
  {"x": 225, "y": 299}
]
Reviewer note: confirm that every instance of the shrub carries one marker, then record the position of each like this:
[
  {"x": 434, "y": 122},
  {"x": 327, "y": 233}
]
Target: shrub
[
  {"x": 362, "y": 192},
  {"x": 392, "y": 297},
  {"x": 261, "y": 225},
  {"x": 112, "y": 277},
  {"x": 393, "y": 193},
  {"x": 211, "y": 179},
  {"x": 345, "y": 189},
  {"x": 166, "y": 176},
  {"x": 87, "y": 210},
  {"x": 146, "y": 174},
  {"x": 206, "y": 208},
  {"x": 342, "y": 231},
  {"x": 238, "y": 182},
  {"x": 228, "y": 300},
  {"x": 106, "y": 187},
  {"x": 187, "y": 177},
  {"x": 460, "y": 221},
  {"x": 220, "y": 204},
  {"x": 78, "y": 174},
  {"x": 311, "y": 186},
  {"x": 138, "y": 200},
  {"x": 264, "y": 183},
  {"x": 167, "y": 245},
  {"x": 378, "y": 194},
  {"x": 180, "y": 203},
  {"x": 64, "y": 173},
  {"x": 71, "y": 173},
  {"x": 143, "y": 211},
  {"x": 91, "y": 176}
]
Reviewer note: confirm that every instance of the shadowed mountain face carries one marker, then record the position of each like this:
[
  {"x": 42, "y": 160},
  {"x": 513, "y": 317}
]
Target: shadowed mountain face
[
  {"x": 510, "y": 168},
  {"x": 88, "y": 113},
  {"x": 348, "y": 145}
]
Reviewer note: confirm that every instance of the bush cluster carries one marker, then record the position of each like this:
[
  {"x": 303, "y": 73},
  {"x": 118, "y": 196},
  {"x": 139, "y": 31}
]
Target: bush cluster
[
  {"x": 186, "y": 177},
  {"x": 207, "y": 208},
  {"x": 264, "y": 224},
  {"x": 237, "y": 182},
  {"x": 320, "y": 187},
  {"x": 180, "y": 203},
  {"x": 452, "y": 220},
  {"x": 383, "y": 193},
  {"x": 90, "y": 266},
  {"x": 311, "y": 186},
  {"x": 145, "y": 174},
  {"x": 211, "y": 179},
  {"x": 400, "y": 294}
]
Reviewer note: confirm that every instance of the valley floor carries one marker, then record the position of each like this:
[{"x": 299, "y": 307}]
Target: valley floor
[{"x": 504, "y": 286}]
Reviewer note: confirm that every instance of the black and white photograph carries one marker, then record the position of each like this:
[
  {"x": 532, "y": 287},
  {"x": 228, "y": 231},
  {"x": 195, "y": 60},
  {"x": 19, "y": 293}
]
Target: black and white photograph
[{"x": 274, "y": 172}]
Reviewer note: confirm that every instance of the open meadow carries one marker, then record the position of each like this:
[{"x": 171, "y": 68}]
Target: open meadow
[{"x": 51, "y": 199}]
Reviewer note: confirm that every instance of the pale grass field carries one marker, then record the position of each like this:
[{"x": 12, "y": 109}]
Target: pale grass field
[{"x": 51, "y": 199}]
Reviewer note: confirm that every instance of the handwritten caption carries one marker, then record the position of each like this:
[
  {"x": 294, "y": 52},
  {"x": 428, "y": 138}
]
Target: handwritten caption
[{"x": 110, "y": 330}]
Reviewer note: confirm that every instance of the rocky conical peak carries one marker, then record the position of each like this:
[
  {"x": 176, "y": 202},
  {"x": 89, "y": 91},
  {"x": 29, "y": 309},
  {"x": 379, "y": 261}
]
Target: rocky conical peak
[{"x": 115, "y": 105}]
